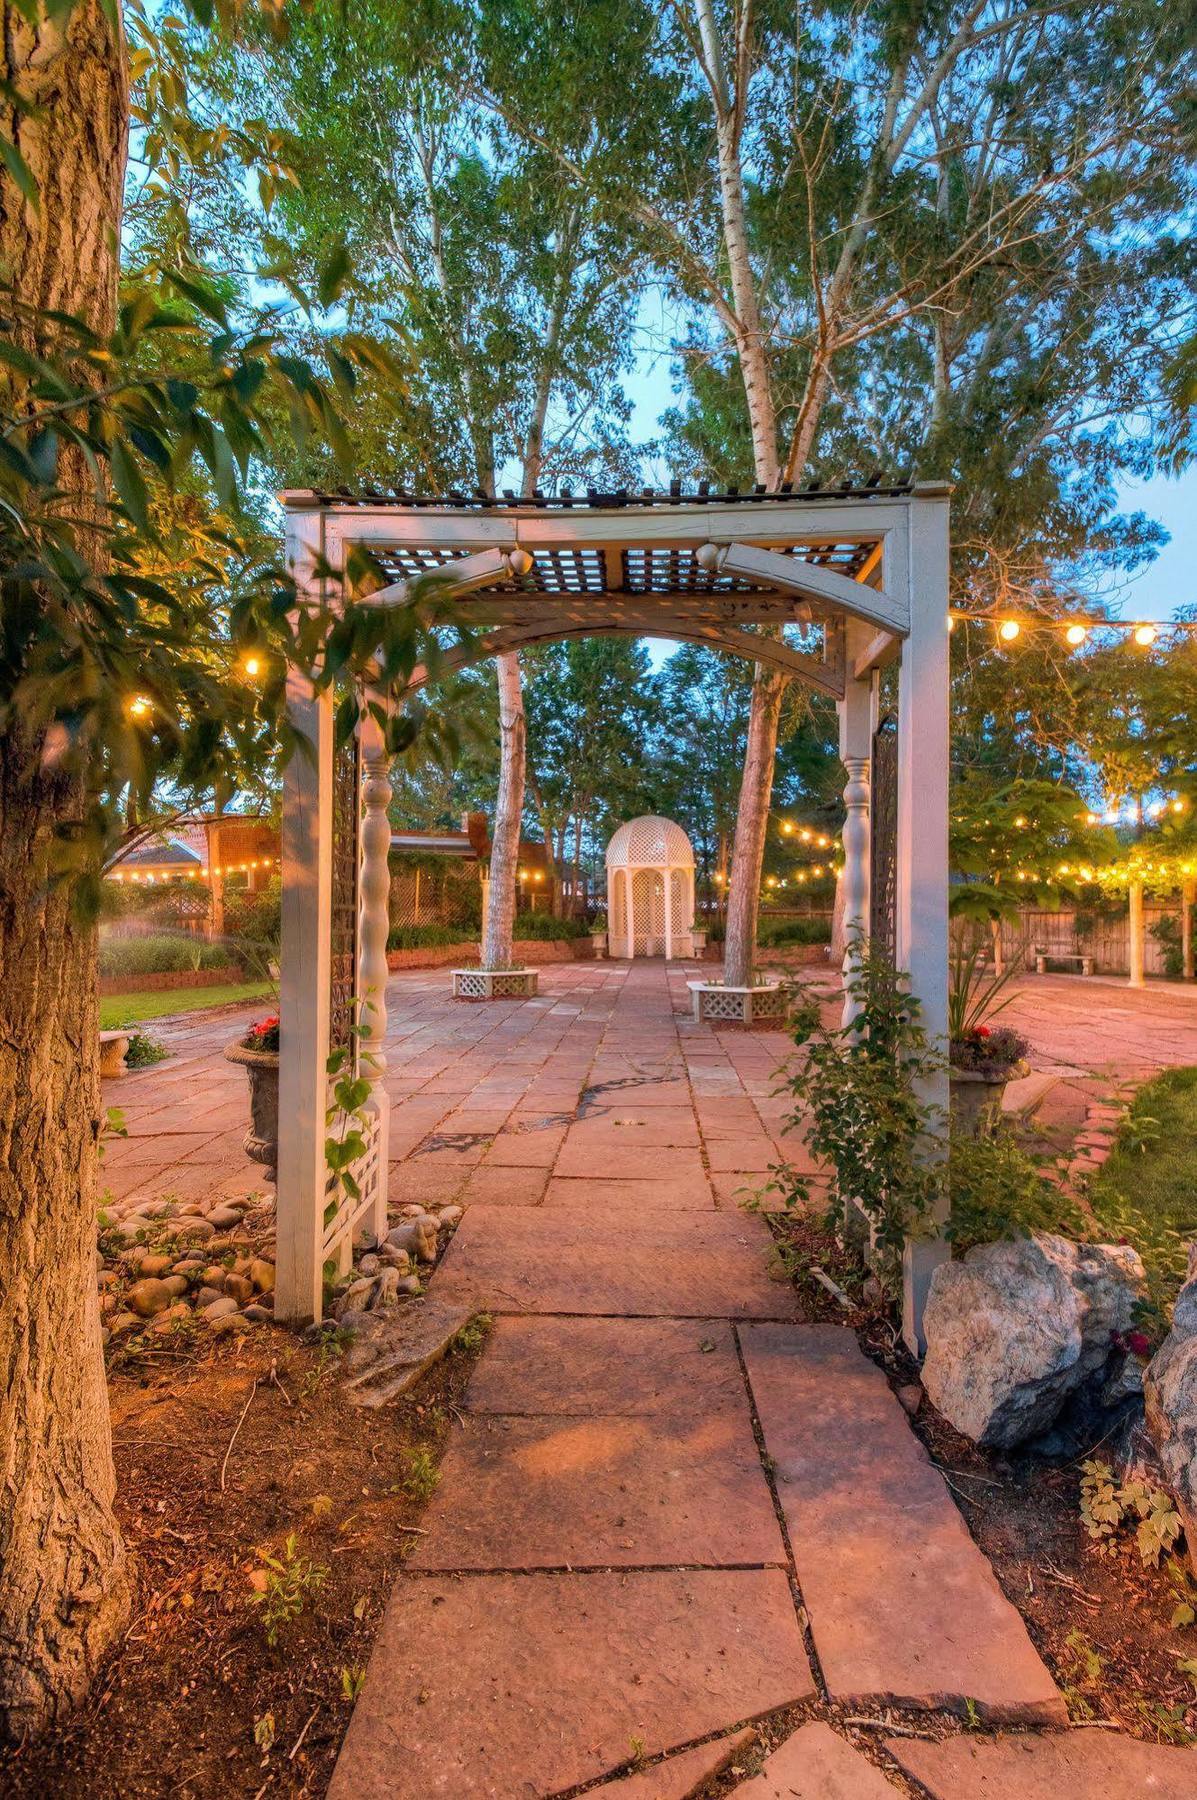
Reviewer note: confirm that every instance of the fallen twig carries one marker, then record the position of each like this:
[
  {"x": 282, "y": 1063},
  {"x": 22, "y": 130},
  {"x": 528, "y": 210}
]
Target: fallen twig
[
  {"x": 885, "y": 1725},
  {"x": 278, "y": 1384},
  {"x": 240, "y": 1422},
  {"x": 291, "y": 1754},
  {"x": 833, "y": 1287}
]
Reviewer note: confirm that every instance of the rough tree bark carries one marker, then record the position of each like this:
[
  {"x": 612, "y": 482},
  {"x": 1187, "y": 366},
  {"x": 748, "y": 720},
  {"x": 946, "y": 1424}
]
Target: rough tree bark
[{"x": 63, "y": 1572}]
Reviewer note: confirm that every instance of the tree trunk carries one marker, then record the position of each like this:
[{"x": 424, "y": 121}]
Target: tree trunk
[
  {"x": 752, "y": 820},
  {"x": 509, "y": 808},
  {"x": 63, "y": 1572}
]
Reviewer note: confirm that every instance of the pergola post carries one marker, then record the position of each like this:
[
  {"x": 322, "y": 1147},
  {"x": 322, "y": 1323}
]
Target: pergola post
[
  {"x": 856, "y": 734},
  {"x": 1136, "y": 933},
  {"x": 373, "y": 928},
  {"x": 304, "y": 987},
  {"x": 922, "y": 841}
]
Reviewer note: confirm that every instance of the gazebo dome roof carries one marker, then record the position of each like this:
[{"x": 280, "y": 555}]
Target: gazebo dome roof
[{"x": 650, "y": 840}]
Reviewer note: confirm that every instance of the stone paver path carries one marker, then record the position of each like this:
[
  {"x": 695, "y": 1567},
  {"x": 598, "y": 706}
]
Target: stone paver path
[{"x": 671, "y": 1507}]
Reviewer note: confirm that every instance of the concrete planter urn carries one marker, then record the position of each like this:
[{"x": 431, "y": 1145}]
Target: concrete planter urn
[
  {"x": 261, "y": 1068},
  {"x": 495, "y": 984},
  {"x": 981, "y": 1062},
  {"x": 698, "y": 941},
  {"x": 599, "y": 941}
]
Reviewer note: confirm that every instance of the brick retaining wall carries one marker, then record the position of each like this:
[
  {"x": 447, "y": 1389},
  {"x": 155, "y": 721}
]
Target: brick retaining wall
[
  {"x": 528, "y": 951},
  {"x": 170, "y": 978}
]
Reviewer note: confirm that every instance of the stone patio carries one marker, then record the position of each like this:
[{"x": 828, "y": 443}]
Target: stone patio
[{"x": 672, "y": 1507}]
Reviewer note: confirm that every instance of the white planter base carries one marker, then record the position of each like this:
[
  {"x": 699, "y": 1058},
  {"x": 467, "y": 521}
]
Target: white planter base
[
  {"x": 720, "y": 1005},
  {"x": 494, "y": 984}
]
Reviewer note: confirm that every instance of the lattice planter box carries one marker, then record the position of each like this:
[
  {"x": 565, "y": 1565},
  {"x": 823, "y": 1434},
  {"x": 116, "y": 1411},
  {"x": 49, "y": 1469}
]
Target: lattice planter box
[
  {"x": 766, "y": 1005},
  {"x": 494, "y": 984}
]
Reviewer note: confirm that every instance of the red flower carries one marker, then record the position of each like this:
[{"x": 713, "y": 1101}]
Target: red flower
[
  {"x": 982, "y": 1031},
  {"x": 1138, "y": 1344}
]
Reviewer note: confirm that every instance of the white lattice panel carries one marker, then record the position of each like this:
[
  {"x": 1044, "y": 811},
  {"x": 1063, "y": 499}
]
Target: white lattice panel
[
  {"x": 349, "y": 1210},
  {"x": 493, "y": 984},
  {"x": 650, "y": 840}
]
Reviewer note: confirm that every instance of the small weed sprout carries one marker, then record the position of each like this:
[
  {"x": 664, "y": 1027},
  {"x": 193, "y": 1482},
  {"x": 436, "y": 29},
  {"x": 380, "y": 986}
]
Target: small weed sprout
[
  {"x": 352, "y": 1681},
  {"x": 421, "y": 1477},
  {"x": 1107, "y": 1506},
  {"x": 283, "y": 1586},
  {"x": 473, "y": 1334}
]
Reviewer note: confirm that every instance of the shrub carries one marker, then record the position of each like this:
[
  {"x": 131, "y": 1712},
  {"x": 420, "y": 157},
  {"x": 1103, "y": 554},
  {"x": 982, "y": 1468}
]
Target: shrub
[
  {"x": 773, "y": 932},
  {"x": 424, "y": 937},
  {"x": 257, "y": 917},
  {"x": 544, "y": 927},
  {"x": 144, "y": 1051},
  {"x": 1000, "y": 1191},
  {"x": 857, "y": 1099},
  {"x": 986, "y": 1049},
  {"x": 161, "y": 953}
]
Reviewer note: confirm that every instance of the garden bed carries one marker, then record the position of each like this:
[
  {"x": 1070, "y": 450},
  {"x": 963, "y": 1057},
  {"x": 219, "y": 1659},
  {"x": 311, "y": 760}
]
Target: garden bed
[{"x": 218, "y": 1460}]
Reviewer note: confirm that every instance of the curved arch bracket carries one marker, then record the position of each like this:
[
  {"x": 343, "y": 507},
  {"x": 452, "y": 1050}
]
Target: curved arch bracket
[
  {"x": 827, "y": 677},
  {"x": 793, "y": 575}
]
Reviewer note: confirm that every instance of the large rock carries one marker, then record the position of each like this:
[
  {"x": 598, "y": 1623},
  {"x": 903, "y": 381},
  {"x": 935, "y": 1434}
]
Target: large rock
[
  {"x": 1013, "y": 1329},
  {"x": 1170, "y": 1390}
]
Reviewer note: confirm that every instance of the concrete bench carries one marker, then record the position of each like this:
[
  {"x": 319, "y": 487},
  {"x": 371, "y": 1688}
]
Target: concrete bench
[
  {"x": 113, "y": 1048},
  {"x": 1043, "y": 957}
]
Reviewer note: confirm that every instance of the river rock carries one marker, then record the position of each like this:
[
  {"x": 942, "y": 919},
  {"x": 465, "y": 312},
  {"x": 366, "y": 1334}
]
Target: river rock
[
  {"x": 418, "y": 1237},
  {"x": 240, "y": 1287},
  {"x": 196, "y": 1228},
  {"x": 223, "y": 1308},
  {"x": 1170, "y": 1391},
  {"x": 154, "y": 1264},
  {"x": 261, "y": 1273},
  {"x": 386, "y": 1289},
  {"x": 224, "y": 1218},
  {"x": 148, "y": 1297},
  {"x": 260, "y": 1315},
  {"x": 1014, "y": 1328},
  {"x": 449, "y": 1215}
]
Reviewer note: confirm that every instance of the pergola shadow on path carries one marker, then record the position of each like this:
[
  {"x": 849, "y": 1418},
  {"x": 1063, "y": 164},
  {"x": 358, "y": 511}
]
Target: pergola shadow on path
[{"x": 825, "y": 586}]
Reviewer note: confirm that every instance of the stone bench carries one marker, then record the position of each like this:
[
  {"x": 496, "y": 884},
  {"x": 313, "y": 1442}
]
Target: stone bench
[
  {"x": 1043, "y": 957},
  {"x": 114, "y": 1046}
]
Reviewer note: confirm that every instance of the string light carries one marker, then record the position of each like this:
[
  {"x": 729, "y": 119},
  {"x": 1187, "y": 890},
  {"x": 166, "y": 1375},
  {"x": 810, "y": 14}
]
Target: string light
[
  {"x": 1145, "y": 634},
  {"x": 1008, "y": 630},
  {"x": 139, "y": 706},
  {"x": 253, "y": 666},
  {"x": 1076, "y": 635}
]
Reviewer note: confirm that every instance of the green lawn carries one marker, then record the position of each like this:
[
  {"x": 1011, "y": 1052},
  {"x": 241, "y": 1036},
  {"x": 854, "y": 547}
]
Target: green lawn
[
  {"x": 1147, "y": 1190},
  {"x": 134, "y": 1009}
]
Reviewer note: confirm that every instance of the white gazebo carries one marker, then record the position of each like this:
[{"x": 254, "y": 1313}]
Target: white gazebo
[
  {"x": 825, "y": 585},
  {"x": 650, "y": 889}
]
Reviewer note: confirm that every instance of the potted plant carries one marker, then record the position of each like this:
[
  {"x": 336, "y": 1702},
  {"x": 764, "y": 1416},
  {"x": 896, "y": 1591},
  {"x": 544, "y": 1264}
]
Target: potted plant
[
  {"x": 981, "y": 1058},
  {"x": 598, "y": 934},
  {"x": 258, "y": 1054}
]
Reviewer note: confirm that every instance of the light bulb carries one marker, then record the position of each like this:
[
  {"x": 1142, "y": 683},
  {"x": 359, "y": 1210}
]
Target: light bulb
[
  {"x": 1008, "y": 630},
  {"x": 139, "y": 706},
  {"x": 1145, "y": 634},
  {"x": 1076, "y": 635},
  {"x": 253, "y": 666}
]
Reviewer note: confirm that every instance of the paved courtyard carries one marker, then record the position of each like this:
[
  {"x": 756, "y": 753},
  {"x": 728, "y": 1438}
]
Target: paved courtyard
[{"x": 671, "y": 1506}]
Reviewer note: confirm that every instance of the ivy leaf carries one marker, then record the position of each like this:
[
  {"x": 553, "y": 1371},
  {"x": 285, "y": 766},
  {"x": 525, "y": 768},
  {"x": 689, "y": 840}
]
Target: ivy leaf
[{"x": 21, "y": 173}]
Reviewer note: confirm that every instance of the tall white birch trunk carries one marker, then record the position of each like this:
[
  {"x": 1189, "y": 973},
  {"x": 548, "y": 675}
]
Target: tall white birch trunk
[{"x": 498, "y": 927}]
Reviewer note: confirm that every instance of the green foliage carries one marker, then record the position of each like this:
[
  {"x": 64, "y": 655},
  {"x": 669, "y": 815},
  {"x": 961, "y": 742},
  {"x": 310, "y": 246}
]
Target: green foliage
[
  {"x": 424, "y": 937},
  {"x": 1082, "y": 1670},
  {"x": 999, "y": 1190},
  {"x": 473, "y": 1334},
  {"x": 974, "y": 996},
  {"x": 1109, "y": 1508},
  {"x": 160, "y": 953},
  {"x": 771, "y": 932},
  {"x": 858, "y": 1104},
  {"x": 421, "y": 1477},
  {"x": 287, "y": 1584},
  {"x": 1167, "y": 934},
  {"x": 1146, "y": 1191},
  {"x": 543, "y": 927},
  {"x": 255, "y": 918},
  {"x": 143, "y": 1051}
]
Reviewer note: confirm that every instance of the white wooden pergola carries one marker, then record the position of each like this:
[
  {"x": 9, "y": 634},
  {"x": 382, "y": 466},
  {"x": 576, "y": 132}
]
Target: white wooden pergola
[{"x": 847, "y": 579}]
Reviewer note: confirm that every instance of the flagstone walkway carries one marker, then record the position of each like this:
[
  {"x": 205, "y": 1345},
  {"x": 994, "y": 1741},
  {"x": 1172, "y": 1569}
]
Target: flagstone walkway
[{"x": 672, "y": 1506}]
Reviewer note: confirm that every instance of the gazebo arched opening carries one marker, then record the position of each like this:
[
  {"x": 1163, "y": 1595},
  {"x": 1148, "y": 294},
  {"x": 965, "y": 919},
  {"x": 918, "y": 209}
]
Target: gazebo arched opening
[
  {"x": 860, "y": 575},
  {"x": 650, "y": 889}
]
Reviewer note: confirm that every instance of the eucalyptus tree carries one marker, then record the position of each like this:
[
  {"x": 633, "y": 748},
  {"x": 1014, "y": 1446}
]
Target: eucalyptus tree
[
  {"x": 865, "y": 207},
  {"x": 508, "y": 293}
]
